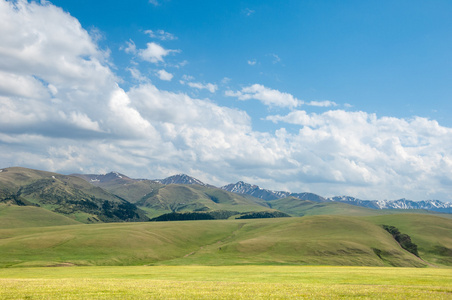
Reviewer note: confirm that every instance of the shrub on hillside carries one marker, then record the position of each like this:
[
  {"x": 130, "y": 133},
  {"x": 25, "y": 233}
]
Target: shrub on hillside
[{"x": 403, "y": 239}]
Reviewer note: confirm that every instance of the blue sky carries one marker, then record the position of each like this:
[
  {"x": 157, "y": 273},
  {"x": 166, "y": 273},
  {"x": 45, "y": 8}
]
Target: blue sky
[
  {"x": 330, "y": 97},
  {"x": 386, "y": 57}
]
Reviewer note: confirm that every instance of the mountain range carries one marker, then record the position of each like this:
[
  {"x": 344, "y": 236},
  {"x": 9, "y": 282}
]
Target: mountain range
[
  {"x": 113, "y": 197},
  {"x": 255, "y": 191}
]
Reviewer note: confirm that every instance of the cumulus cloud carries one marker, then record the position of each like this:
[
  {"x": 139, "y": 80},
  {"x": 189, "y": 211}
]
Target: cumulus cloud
[
  {"x": 164, "y": 75},
  {"x": 372, "y": 152},
  {"x": 71, "y": 116},
  {"x": 154, "y": 53},
  {"x": 267, "y": 96}
]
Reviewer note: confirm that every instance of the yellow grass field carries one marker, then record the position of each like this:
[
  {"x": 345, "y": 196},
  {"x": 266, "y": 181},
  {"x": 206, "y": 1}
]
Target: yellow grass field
[{"x": 225, "y": 282}]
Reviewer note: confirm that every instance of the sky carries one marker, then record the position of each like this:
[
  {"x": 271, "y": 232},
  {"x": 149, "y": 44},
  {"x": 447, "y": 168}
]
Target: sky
[{"x": 329, "y": 97}]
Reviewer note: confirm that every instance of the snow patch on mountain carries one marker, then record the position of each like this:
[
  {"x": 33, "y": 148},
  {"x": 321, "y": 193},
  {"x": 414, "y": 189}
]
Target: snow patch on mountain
[{"x": 181, "y": 179}]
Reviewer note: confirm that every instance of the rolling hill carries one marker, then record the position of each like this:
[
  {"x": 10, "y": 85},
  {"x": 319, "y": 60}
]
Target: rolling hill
[
  {"x": 40, "y": 215},
  {"x": 313, "y": 240}
]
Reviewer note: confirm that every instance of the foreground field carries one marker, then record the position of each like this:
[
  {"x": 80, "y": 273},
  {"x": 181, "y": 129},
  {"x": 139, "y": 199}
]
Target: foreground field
[{"x": 225, "y": 282}]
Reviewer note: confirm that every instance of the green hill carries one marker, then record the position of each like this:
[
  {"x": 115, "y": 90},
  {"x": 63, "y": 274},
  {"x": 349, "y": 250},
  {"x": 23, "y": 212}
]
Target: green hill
[
  {"x": 13, "y": 216},
  {"x": 297, "y": 207},
  {"x": 432, "y": 234},
  {"x": 68, "y": 195},
  {"x": 313, "y": 240},
  {"x": 175, "y": 197}
]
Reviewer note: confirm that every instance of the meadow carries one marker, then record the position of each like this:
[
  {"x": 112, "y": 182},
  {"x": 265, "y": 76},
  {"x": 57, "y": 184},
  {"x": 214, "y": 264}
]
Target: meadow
[
  {"x": 225, "y": 282},
  {"x": 48, "y": 256}
]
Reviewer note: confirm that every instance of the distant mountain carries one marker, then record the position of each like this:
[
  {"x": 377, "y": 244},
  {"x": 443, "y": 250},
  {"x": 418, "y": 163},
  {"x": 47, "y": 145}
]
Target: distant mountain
[
  {"x": 177, "y": 193},
  {"x": 67, "y": 195},
  {"x": 433, "y": 205},
  {"x": 98, "y": 179},
  {"x": 255, "y": 191},
  {"x": 181, "y": 179},
  {"x": 269, "y": 195}
]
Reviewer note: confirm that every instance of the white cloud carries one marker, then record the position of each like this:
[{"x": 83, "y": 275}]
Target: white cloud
[
  {"x": 325, "y": 103},
  {"x": 83, "y": 121},
  {"x": 154, "y": 53},
  {"x": 200, "y": 86},
  {"x": 186, "y": 79},
  {"x": 161, "y": 35},
  {"x": 267, "y": 96},
  {"x": 373, "y": 157},
  {"x": 154, "y": 2},
  {"x": 71, "y": 116},
  {"x": 22, "y": 85},
  {"x": 252, "y": 62},
  {"x": 131, "y": 47},
  {"x": 136, "y": 74},
  {"x": 164, "y": 75}
]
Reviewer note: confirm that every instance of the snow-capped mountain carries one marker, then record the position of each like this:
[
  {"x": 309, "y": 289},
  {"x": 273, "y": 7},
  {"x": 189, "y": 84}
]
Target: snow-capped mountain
[
  {"x": 181, "y": 179},
  {"x": 255, "y": 191},
  {"x": 434, "y": 205},
  {"x": 265, "y": 194},
  {"x": 104, "y": 178}
]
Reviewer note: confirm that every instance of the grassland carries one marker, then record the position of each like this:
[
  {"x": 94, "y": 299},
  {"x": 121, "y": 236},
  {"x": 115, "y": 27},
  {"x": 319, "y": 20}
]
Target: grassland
[
  {"x": 225, "y": 282},
  {"x": 13, "y": 216},
  {"x": 313, "y": 240},
  {"x": 48, "y": 256}
]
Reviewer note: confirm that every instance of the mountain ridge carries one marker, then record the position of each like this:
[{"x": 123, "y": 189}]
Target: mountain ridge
[
  {"x": 143, "y": 191},
  {"x": 245, "y": 188}
]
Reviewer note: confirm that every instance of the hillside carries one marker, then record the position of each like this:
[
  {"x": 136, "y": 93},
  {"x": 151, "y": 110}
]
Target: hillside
[
  {"x": 298, "y": 207},
  {"x": 314, "y": 240},
  {"x": 178, "y": 193},
  {"x": 67, "y": 195},
  {"x": 432, "y": 235},
  {"x": 13, "y": 216}
]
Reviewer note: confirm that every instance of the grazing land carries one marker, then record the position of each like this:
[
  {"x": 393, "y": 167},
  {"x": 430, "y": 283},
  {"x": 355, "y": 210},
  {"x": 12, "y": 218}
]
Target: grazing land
[
  {"x": 312, "y": 240},
  {"x": 225, "y": 282}
]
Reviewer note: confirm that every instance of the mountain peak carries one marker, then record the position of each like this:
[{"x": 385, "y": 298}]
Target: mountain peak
[
  {"x": 181, "y": 179},
  {"x": 103, "y": 178}
]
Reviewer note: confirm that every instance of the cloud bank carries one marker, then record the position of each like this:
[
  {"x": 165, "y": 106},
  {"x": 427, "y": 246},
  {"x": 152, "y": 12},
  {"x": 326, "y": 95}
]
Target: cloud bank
[{"x": 62, "y": 109}]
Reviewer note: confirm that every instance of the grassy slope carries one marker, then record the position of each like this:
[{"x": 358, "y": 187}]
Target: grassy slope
[
  {"x": 12, "y": 216},
  {"x": 297, "y": 207},
  {"x": 132, "y": 190},
  {"x": 315, "y": 240},
  {"x": 13, "y": 178},
  {"x": 324, "y": 240},
  {"x": 432, "y": 234},
  {"x": 194, "y": 197},
  {"x": 68, "y": 195}
]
